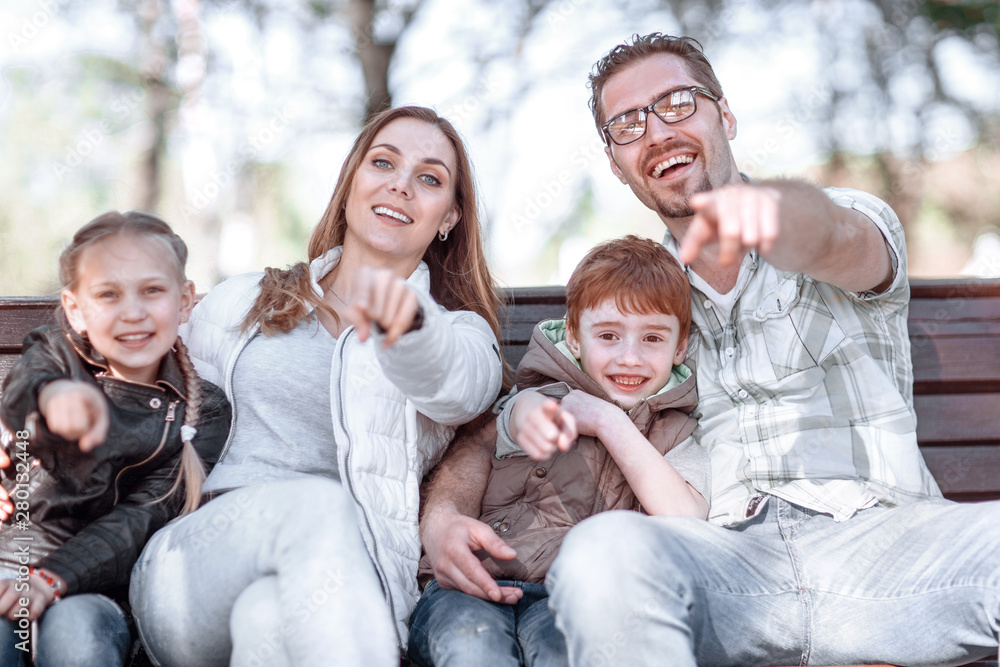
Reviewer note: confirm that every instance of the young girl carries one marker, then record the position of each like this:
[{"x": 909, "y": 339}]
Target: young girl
[{"x": 110, "y": 423}]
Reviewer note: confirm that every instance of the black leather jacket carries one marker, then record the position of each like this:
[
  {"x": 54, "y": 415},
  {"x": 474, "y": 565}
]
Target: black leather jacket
[{"x": 88, "y": 515}]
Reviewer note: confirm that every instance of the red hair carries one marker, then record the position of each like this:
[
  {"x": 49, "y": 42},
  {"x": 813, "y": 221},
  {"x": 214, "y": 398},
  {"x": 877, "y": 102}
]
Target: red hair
[{"x": 639, "y": 274}]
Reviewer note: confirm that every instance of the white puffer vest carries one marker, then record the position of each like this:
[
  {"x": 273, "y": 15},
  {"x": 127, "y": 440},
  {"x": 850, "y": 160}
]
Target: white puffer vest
[{"x": 394, "y": 411}]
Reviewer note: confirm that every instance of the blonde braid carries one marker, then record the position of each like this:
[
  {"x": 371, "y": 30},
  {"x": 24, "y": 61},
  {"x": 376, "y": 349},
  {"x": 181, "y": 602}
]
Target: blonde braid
[{"x": 192, "y": 470}]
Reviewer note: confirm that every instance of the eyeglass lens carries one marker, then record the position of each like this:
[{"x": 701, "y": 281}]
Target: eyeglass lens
[{"x": 673, "y": 107}]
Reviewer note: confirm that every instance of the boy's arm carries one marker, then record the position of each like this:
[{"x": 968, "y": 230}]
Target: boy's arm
[
  {"x": 659, "y": 487},
  {"x": 537, "y": 424}
]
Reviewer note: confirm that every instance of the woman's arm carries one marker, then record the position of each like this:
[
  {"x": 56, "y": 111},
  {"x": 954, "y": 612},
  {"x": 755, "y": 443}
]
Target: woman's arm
[
  {"x": 36, "y": 594},
  {"x": 449, "y": 367},
  {"x": 447, "y": 363}
]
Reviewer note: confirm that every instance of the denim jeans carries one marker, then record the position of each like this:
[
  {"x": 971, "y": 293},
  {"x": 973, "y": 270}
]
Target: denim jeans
[
  {"x": 270, "y": 574},
  {"x": 85, "y": 630},
  {"x": 449, "y": 627},
  {"x": 912, "y": 585}
]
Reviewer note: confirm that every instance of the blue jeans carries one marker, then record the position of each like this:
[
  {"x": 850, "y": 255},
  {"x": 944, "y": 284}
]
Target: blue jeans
[
  {"x": 270, "y": 574},
  {"x": 85, "y": 630},
  {"x": 449, "y": 627},
  {"x": 911, "y": 585}
]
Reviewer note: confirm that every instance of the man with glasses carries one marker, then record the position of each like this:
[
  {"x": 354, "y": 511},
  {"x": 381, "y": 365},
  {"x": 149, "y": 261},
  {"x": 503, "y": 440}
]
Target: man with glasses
[{"x": 828, "y": 541}]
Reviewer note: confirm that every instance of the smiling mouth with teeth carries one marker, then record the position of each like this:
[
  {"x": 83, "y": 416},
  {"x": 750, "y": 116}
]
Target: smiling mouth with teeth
[
  {"x": 136, "y": 336},
  {"x": 671, "y": 162},
  {"x": 627, "y": 381},
  {"x": 382, "y": 210}
]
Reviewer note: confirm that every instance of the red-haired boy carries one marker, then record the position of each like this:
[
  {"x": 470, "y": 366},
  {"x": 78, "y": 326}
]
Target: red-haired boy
[{"x": 601, "y": 423}]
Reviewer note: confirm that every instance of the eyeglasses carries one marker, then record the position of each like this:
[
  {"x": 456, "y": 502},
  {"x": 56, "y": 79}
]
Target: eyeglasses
[{"x": 671, "y": 107}]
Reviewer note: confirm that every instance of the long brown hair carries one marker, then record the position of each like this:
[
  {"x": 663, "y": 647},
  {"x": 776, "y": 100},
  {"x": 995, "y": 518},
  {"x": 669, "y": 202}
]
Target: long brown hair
[
  {"x": 143, "y": 225},
  {"x": 460, "y": 278}
]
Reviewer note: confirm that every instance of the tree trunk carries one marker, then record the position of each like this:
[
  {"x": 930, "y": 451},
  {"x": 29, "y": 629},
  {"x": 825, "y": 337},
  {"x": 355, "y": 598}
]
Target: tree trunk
[
  {"x": 374, "y": 57},
  {"x": 154, "y": 60}
]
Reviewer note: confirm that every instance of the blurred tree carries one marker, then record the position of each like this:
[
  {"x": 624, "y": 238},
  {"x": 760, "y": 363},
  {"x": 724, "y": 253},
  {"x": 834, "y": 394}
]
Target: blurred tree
[
  {"x": 967, "y": 15},
  {"x": 160, "y": 54},
  {"x": 916, "y": 42},
  {"x": 171, "y": 117},
  {"x": 375, "y": 27}
]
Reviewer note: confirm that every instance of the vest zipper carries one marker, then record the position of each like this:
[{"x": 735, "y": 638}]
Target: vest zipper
[
  {"x": 609, "y": 464},
  {"x": 167, "y": 421},
  {"x": 603, "y": 479}
]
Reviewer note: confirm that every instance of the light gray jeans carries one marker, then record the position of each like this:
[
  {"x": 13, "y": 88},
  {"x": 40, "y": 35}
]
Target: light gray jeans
[
  {"x": 913, "y": 585},
  {"x": 272, "y": 574}
]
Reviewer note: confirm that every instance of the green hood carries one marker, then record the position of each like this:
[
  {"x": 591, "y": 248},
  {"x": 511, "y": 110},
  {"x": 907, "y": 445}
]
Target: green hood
[{"x": 555, "y": 332}]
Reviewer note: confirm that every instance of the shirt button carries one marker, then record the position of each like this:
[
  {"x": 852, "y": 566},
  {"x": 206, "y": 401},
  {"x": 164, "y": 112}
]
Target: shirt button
[
  {"x": 729, "y": 351},
  {"x": 742, "y": 393},
  {"x": 155, "y": 403},
  {"x": 540, "y": 472},
  {"x": 708, "y": 304}
]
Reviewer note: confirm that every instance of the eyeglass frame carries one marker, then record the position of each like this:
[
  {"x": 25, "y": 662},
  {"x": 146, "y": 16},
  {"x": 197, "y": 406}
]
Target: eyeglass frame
[{"x": 648, "y": 109}]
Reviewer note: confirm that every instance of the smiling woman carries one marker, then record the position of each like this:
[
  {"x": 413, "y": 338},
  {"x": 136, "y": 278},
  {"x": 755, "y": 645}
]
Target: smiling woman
[
  {"x": 348, "y": 375},
  {"x": 403, "y": 195}
]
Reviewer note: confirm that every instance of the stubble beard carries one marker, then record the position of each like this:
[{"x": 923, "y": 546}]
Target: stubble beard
[{"x": 680, "y": 206}]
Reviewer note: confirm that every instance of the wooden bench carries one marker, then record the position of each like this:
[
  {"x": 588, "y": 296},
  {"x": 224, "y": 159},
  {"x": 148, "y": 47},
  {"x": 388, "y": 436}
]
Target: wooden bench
[{"x": 955, "y": 341}]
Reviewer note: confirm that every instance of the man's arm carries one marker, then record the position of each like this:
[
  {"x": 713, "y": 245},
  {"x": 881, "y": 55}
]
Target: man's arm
[
  {"x": 448, "y": 530},
  {"x": 795, "y": 227}
]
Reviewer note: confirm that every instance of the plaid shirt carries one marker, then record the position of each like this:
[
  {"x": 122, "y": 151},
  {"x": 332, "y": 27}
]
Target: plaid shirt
[{"x": 806, "y": 392}]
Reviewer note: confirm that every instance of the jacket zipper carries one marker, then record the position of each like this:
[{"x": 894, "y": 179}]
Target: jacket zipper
[
  {"x": 350, "y": 486},
  {"x": 167, "y": 421}
]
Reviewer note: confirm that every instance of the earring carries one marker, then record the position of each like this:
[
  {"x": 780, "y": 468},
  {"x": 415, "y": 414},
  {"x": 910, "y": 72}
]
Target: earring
[{"x": 443, "y": 236}]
